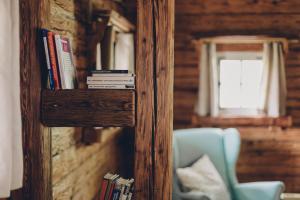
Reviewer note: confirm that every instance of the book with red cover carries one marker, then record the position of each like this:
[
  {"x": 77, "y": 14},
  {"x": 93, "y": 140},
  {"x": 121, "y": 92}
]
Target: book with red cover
[
  {"x": 53, "y": 60},
  {"x": 103, "y": 189},
  {"x": 111, "y": 190}
]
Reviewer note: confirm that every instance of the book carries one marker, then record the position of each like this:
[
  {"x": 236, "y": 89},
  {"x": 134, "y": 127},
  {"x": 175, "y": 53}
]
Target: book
[
  {"x": 110, "y": 186},
  {"x": 113, "y": 185},
  {"x": 123, "y": 183},
  {"x": 46, "y": 49},
  {"x": 110, "y": 78},
  {"x": 124, "y": 51},
  {"x": 114, "y": 87},
  {"x": 109, "y": 71},
  {"x": 112, "y": 75},
  {"x": 108, "y": 48},
  {"x": 129, "y": 196},
  {"x": 117, "y": 190},
  {"x": 65, "y": 62},
  {"x": 53, "y": 60},
  {"x": 127, "y": 188},
  {"x": 104, "y": 185},
  {"x": 111, "y": 82}
]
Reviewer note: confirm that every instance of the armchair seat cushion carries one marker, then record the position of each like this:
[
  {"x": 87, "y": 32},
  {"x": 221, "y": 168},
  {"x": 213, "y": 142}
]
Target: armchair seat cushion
[{"x": 259, "y": 190}]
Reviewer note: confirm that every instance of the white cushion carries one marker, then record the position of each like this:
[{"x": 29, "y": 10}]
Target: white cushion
[{"x": 202, "y": 176}]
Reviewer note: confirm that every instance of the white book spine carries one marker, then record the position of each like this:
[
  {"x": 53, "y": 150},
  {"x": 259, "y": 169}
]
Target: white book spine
[
  {"x": 60, "y": 61},
  {"x": 112, "y": 75},
  {"x": 129, "y": 196},
  {"x": 105, "y": 78},
  {"x": 117, "y": 87},
  {"x": 47, "y": 53},
  {"x": 110, "y": 82}
]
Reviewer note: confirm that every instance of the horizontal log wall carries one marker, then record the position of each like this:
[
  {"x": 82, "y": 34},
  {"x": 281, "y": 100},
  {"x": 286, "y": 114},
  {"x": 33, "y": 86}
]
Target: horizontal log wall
[
  {"x": 195, "y": 19},
  {"x": 77, "y": 168}
]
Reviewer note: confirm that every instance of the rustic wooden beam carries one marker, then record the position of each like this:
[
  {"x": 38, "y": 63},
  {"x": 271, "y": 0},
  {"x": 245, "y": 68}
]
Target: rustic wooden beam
[
  {"x": 88, "y": 108},
  {"x": 154, "y": 72},
  {"x": 36, "y": 139}
]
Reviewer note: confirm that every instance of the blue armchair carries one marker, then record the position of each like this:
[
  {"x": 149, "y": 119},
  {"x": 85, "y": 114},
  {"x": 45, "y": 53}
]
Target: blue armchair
[{"x": 222, "y": 146}]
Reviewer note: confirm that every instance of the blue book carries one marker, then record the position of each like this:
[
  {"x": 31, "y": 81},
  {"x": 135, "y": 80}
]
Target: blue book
[{"x": 46, "y": 49}]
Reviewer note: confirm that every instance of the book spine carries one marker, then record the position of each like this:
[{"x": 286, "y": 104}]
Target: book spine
[
  {"x": 110, "y": 71},
  {"x": 112, "y": 75},
  {"x": 50, "y": 73},
  {"x": 103, "y": 189},
  {"x": 110, "y": 82},
  {"x": 60, "y": 60},
  {"x": 115, "y": 194},
  {"x": 93, "y": 78},
  {"x": 129, "y": 196},
  {"x": 122, "y": 193},
  {"x": 116, "y": 87},
  {"x": 111, "y": 191},
  {"x": 53, "y": 60}
]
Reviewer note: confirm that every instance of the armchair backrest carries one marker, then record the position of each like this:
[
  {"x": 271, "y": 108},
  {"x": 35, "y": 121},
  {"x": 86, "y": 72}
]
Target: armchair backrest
[
  {"x": 222, "y": 147},
  {"x": 191, "y": 144},
  {"x": 232, "y": 143}
]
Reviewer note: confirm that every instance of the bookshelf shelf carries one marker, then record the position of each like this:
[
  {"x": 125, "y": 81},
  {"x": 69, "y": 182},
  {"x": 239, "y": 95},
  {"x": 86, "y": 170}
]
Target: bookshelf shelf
[{"x": 88, "y": 108}]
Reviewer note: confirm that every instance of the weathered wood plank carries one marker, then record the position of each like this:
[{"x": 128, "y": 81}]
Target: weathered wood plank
[
  {"x": 164, "y": 32},
  {"x": 199, "y": 26},
  {"x": 88, "y": 108},
  {"x": 37, "y": 148},
  {"x": 236, "y": 7},
  {"x": 155, "y": 46},
  {"x": 143, "y": 165},
  {"x": 241, "y": 121}
]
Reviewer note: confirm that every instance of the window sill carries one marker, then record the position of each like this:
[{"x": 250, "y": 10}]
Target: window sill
[{"x": 283, "y": 122}]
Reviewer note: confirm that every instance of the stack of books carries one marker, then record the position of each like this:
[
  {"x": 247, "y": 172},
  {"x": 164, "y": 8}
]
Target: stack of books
[
  {"x": 59, "y": 60},
  {"x": 111, "y": 79},
  {"x": 115, "y": 187}
]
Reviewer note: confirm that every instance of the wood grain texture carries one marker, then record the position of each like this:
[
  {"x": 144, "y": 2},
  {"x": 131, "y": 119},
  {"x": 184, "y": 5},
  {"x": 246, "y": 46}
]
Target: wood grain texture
[
  {"x": 36, "y": 139},
  {"x": 153, "y": 140},
  {"x": 270, "y": 154},
  {"x": 241, "y": 121},
  {"x": 83, "y": 108},
  {"x": 164, "y": 14},
  {"x": 236, "y": 7},
  {"x": 143, "y": 156}
]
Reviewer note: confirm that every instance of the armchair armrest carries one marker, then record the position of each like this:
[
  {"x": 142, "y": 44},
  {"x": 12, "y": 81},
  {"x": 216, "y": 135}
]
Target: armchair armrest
[
  {"x": 259, "y": 190},
  {"x": 193, "y": 195}
]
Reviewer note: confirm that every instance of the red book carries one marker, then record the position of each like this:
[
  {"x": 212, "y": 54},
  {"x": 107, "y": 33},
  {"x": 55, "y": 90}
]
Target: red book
[
  {"x": 53, "y": 60},
  {"x": 103, "y": 189},
  {"x": 111, "y": 190}
]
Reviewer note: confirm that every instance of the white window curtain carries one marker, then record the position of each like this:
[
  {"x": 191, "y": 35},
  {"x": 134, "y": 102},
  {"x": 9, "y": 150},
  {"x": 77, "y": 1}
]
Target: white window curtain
[
  {"x": 11, "y": 161},
  {"x": 273, "y": 87},
  {"x": 208, "y": 100}
]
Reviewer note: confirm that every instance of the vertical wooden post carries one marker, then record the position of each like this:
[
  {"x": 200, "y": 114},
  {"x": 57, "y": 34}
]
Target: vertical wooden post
[
  {"x": 154, "y": 72},
  {"x": 36, "y": 139}
]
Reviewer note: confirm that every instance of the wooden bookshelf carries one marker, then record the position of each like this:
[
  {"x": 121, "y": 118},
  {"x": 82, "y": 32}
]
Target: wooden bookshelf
[{"x": 88, "y": 108}]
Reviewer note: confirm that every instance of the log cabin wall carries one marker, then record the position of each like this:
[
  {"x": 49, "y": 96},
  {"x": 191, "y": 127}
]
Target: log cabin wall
[
  {"x": 267, "y": 153},
  {"x": 77, "y": 168}
]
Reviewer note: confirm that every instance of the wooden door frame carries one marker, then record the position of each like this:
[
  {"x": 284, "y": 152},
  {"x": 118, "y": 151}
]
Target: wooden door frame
[{"x": 154, "y": 87}]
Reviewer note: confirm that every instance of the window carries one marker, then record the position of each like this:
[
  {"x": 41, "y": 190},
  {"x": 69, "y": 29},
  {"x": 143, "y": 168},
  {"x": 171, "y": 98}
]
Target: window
[{"x": 240, "y": 75}]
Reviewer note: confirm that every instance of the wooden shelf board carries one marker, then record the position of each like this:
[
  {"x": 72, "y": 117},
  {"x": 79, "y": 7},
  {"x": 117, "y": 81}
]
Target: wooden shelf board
[{"x": 88, "y": 108}]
